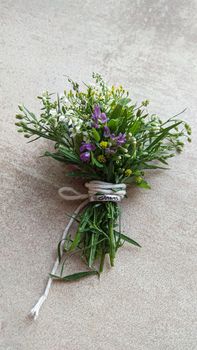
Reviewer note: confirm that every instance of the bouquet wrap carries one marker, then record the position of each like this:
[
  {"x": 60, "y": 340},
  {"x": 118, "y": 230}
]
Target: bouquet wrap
[{"x": 110, "y": 142}]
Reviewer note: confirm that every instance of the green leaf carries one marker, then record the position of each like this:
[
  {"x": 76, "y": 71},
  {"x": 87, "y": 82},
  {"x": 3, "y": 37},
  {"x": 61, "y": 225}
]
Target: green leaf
[
  {"x": 69, "y": 154},
  {"x": 74, "y": 276},
  {"x": 124, "y": 120},
  {"x": 76, "y": 240},
  {"x": 162, "y": 135},
  {"x": 128, "y": 239},
  {"x": 94, "y": 239},
  {"x": 152, "y": 166},
  {"x": 25, "y": 110},
  {"x": 77, "y": 141},
  {"x": 55, "y": 156},
  {"x": 116, "y": 112},
  {"x": 113, "y": 124},
  {"x": 96, "y": 135},
  {"x": 124, "y": 101},
  {"x": 135, "y": 126},
  {"x": 95, "y": 162},
  {"x": 144, "y": 184}
]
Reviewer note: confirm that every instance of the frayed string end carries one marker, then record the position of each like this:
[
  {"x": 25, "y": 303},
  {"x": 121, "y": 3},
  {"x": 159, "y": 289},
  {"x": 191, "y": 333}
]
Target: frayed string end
[{"x": 35, "y": 310}]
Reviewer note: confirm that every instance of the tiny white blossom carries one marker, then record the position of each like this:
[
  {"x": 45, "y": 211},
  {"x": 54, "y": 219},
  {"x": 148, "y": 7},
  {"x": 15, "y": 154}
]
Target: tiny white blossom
[
  {"x": 53, "y": 112},
  {"x": 62, "y": 118}
]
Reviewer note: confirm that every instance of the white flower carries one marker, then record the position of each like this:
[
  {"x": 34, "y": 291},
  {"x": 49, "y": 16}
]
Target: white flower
[
  {"x": 62, "y": 118},
  {"x": 74, "y": 123},
  {"x": 53, "y": 112}
]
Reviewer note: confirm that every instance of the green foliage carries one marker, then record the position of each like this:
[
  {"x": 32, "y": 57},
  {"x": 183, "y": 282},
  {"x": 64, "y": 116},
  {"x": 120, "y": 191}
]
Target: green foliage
[{"x": 66, "y": 120}]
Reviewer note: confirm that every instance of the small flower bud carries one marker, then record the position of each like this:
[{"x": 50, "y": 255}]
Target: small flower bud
[
  {"x": 128, "y": 172},
  {"x": 138, "y": 179},
  {"x": 103, "y": 144},
  {"x": 101, "y": 159},
  {"x": 145, "y": 103},
  {"x": 179, "y": 148},
  {"x": 133, "y": 140},
  {"x": 19, "y": 116}
]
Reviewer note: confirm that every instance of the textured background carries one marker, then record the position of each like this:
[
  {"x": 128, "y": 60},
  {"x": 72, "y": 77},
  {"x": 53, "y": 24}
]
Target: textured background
[{"x": 148, "y": 300}]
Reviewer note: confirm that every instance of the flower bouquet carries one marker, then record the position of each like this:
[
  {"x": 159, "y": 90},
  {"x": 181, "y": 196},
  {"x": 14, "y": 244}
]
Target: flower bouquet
[{"x": 110, "y": 142}]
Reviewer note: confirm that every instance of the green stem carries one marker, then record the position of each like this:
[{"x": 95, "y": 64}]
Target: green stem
[
  {"x": 112, "y": 242},
  {"x": 102, "y": 260}
]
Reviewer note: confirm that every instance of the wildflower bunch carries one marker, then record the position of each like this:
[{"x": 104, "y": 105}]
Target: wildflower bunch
[{"x": 107, "y": 137}]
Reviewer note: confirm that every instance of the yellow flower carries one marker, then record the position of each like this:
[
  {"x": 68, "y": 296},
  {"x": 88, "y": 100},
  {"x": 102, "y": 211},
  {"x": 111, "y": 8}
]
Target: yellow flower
[
  {"x": 128, "y": 172},
  {"x": 101, "y": 158},
  {"x": 103, "y": 144}
]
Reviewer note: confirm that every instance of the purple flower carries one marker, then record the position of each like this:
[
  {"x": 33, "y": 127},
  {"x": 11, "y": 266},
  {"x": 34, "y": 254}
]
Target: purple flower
[
  {"x": 97, "y": 112},
  {"x": 121, "y": 139},
  {"x": 87, "y": 147},
  {"x": 98, "y": 116},
  {"x": 95, "y": 125},
  {"x": 85, "y": 157},
  {"x": 110, "y": 151},
  {"x": 106, "y": 132},
  {"x": 103, "y": 118},
  {"x": 113, "y": 137}
]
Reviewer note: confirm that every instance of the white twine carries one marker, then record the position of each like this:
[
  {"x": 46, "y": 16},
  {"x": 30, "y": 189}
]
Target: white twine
[{"x": 97, "y": 191}]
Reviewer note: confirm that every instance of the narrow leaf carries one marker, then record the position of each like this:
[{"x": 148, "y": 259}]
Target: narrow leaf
[
  {"x": 162, "y": 135},
  {"x": 96, "y": 135},
  {"x": 144, "y": 184},
  {"x": 128, "y": 239},
  {"x": 74, "y": 276}
]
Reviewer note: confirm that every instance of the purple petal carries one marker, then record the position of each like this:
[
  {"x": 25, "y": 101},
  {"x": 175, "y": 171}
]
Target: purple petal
[
  {"x": 121, "y": 139},
  {"x": 103, "y": 118},
  {"x": 97, "y": 111},
  {"x": 87, "y": 147},
  {"x": 82, "y": 148},
  {"x": 106, "y": 132},
  {"x": 95, "y": 125},
  {"x": 113, "y": 137},
  {"x": 85, "y": 157}
]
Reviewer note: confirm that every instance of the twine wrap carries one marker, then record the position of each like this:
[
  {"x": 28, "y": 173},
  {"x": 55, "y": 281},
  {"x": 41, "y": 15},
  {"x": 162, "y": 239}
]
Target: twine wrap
[{"x": 97, "y": 191}]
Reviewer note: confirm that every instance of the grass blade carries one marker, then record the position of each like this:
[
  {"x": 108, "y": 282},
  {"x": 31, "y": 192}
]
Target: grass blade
[
  {"x": 75, "y": 276},
  {"x": 128, "y": 239},
  {"x": 162, "y": 135}
]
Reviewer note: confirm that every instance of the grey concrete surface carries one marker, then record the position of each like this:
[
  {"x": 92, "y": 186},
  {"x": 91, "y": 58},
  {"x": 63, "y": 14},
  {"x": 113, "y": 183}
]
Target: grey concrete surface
[{"x": 148, "y": 300}]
